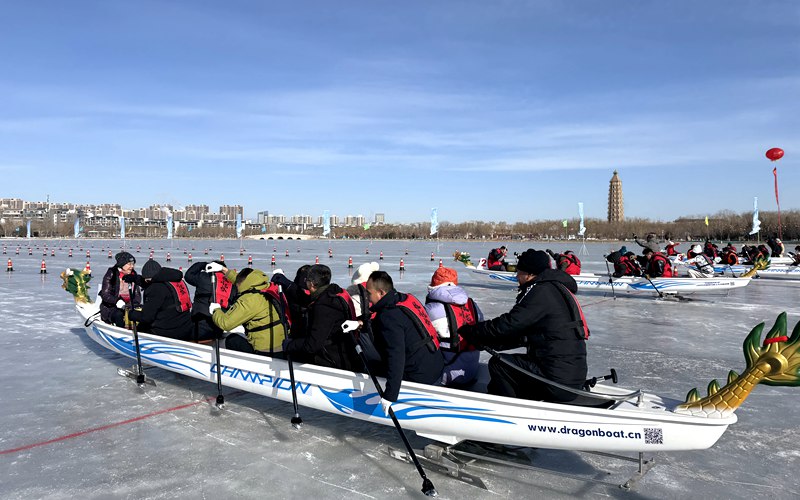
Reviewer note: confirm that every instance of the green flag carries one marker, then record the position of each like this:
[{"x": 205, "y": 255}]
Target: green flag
[
  {"x": 366, "y": 226},
  {"x": 564, "y": 223}
]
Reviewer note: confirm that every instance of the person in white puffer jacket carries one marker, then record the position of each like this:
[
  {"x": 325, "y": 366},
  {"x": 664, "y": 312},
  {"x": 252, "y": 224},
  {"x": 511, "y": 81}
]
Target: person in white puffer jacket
[{"x": 701, "y": 265}]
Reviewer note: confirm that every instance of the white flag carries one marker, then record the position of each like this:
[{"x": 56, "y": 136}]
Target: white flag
[
  {"x": 326, "y": 223},
  {"x": 580, "y": 213},
  {"x": 238, "y": 225},
  {"x": 756, "y": 222},
  {"x": 434, "y": 221},
  {"x": 122, "y": 227},
  {"x": 77, "y": 229}
]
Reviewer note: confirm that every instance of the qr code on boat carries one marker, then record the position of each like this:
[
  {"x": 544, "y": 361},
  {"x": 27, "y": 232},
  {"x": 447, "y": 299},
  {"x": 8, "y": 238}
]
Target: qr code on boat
[{"x": 653, "y": 436}]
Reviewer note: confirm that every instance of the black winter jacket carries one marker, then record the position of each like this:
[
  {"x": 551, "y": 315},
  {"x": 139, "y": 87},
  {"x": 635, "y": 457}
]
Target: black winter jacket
[
  {"x": 399, "y": 344},
  {"x": 537, "y": 323},
  {"x": 160, "y": 313},
  {"x": 201, "y": 281},
  {"x": 109, "y": 293}
]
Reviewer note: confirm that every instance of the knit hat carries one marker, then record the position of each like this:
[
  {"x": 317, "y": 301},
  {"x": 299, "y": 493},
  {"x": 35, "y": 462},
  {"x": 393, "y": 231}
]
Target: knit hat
[
  {"x": 623, "y": 249},
  {"x": 364, "y": 270},
  {"x": 150, "y": 269},
  {"x": 123, "y": 258},
  {"x": 533, "y": 261},
  {"x": 444, "y": 275}
]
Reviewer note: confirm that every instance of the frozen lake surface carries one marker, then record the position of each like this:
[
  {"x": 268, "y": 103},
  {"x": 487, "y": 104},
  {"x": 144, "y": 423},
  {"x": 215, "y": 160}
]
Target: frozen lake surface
[{"x": 71, "y": 427}]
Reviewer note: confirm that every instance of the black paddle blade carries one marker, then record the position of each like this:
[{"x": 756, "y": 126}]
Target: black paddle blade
[
  {"x": 428, "y": 488},
  {"x": 297, "y": 422}
]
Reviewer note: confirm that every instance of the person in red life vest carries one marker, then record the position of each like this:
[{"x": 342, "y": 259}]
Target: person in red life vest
[
  {"x": 567, "y": 262},
  {"x": 324, "y": 342},
  {"x": 119, "y": 290},
  {"x": 497, "y": 259},
  {"x": 624, "y": 264},
  {"x": 658, "y": 265},
  {"x": 205, "y": 291},
  {"x": 700, "y": 266},
  {"x": 167, "y": 305},
  {"x": 775, "y": 245},
  {"x": 449, "y": 308},
  {"x": 670, "y": 249},
  {"x": 795, "y": 256},
  {"x": 547, "y": 320},
  {"x": 711, "y": 249},
  {"x": 404, "y": 337},
  {"x": 297, "y": 296},
  {"x": 729, "y": 256}
]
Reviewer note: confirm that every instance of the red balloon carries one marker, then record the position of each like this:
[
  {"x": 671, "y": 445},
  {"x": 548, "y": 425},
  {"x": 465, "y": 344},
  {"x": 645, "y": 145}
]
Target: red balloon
[{"x": 775, "y": 154}]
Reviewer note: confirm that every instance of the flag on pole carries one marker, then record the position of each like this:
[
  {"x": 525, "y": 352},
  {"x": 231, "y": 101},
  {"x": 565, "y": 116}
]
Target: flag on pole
[
  {"x": 756, "y": 222},
  {"x": 238, "y": 225},
  {"x": 263, "y": 228},
  {"x": 169, "y": 226},
  {"x": 706, "y": 220},
  {"x": 29, "y": 229},
  {"x": 367, "y": 226},
  {"x": 564, "y": 223},
  {"x": 122, "y": 227},
  {"x": 434, "y": 221},
  {"x": 326, "y": 223},
  {"x": 582, "y": 229},
  {"x": 77, "y": 228},
  {"x": 777, "y": 201}
]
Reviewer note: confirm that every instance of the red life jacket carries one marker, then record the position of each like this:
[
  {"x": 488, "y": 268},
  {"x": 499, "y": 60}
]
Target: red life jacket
[
  {"x": 494, "y": 258},
  {"x": 574, "y": 266},
  {"x": 414, "y": 309},
  {"x": 183, "y": 301},
  {"x": 222, "y": 292},
  {"x": 575, "y": 311},
  {"x": 710, "y": 250},
  {"x": 658, "y": 256},
  {"x": 671, "y": 249},
  {"x": 457, "y": 316},
  {"x": 628, "y": 267},
  {"x": 730, "y": 258}
]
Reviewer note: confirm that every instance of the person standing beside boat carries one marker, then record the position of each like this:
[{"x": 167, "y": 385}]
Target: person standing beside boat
[
  {"x": 204, "y": 289},
  {"x": 263, "y": 321},
  {"x": 496, "y": 259},
  {"x": 703, "y": 264},
  {"x": 324, "y": 343},
  {"x": 167, "y": 305},
  {"x": 547, "y": 320},
  {"x": 115, "y": 293},
  {"x": 404, "y": 337},
  {"x": 449, "y": 308}
]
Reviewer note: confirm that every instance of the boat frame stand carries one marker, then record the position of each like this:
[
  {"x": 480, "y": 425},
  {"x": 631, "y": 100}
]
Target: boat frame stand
[{"x": 452, "y": 460}]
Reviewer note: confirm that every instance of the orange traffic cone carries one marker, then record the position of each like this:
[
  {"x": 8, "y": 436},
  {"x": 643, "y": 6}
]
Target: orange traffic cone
[
  {"x": 169, "y": 257},
  {"x": 431, "y": 256},
  {"x": 349, "y": 263},
  {"x": 402, "y": 265},
  {"x": 316, "y": 259},
  {"x": 287, "y": 252},
  {"x": 70, "y": 252},
  {"x": 43, "y": 269},
  {"x": 10, "y": 266},
  {"x": 381, "y": 257},
  {"x": 272, "y": 262},
  {"x": 189, "y": 258},
  {"x": 440, "y": 263},
  {"x": 249, "y": 261},
  {"x": 88, "y": 268},
  {"x": 222, "y": 257}
]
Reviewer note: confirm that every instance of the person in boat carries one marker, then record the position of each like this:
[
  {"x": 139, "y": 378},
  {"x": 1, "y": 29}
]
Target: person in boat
[
  {"x": 119, "y": 290},
  {"x": 361, "y": 303},
  {"x": 650, "y": 242},
  {"x": 567, "y": 262},
  {"x": 711, "y": 249},
  {"x": 670, "y": 249},
  {"x": 796, "y": 256},
  {"x": 404, "y": 337},
  {"x": 690, "y": 254},
  {"x": 167, "y": 305},
  {"x": 658, "y": 265},
  {"x": 297, "y": 297},
  {"x": 729, "y": 255},
  {"x": 700, "y": 266},
  {"x": 764, "y": 251},
  {"x": 776, "y": 246},
  {"x": 624, "y": 265},
  {"x": 547, "y": 320},
  {"x": 449, "y": 308},
  {"x": 204, "y": 292},
  {"x": 256, "y": 309},
  {"x": 324, "y": 343},
  {"x": 497, "y": 259}
]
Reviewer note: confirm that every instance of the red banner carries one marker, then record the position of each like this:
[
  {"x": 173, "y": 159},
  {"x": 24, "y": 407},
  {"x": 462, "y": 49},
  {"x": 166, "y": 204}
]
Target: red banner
[{"x": 775, "y": 173}]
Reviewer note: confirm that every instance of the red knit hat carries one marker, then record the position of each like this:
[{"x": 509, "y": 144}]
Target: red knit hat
[{"x": 444, "y": 275}]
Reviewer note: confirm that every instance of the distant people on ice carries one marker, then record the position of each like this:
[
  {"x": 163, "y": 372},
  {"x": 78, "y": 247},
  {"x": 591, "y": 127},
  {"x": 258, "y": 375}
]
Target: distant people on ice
[
  {"x": 119, "y": 291},
  {"x": 449, "y": 308},
  {"x": 547, "y": 320},
  {"x": 567, "y": 261},
  {"x": 497, "y": 259}
]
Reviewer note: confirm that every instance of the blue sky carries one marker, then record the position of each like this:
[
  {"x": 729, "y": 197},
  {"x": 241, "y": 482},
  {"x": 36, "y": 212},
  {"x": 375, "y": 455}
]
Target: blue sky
[{"x": 501, "y": 110}]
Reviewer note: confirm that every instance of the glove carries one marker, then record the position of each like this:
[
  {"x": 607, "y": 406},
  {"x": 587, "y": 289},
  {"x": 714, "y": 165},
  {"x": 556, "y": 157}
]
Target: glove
[
  {"x": 120, "y": 304},
  {"x": 468, "y": 340},
  {"x": 213, "y": 307},
  {"x": 277, "y": 271},
  {"x": 213, "y": 267},
  {"x": 129, "y": 278},
  {"x": 385, "y": 405},
  {"x": 634, "y": 236},
  {"x": 350, "y": 325},
  {"x": 238, "y": 329}
]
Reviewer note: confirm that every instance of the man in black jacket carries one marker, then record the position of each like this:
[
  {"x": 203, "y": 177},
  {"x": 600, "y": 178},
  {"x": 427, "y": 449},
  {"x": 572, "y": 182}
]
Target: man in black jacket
[
  {"x": 323, "y": 342},
  {"x": 225, "y": 294},
  {"x": 403, "y": 342},
  {"x": 167, "y": 305},
  {"x": 546, "y": 319}
]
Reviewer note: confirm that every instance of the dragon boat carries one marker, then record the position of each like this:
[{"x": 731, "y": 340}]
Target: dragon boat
[
  {"x": 605, "y": 418},
  {"x": 772, "y": 272},
  {"x": 605, "y": 283}
]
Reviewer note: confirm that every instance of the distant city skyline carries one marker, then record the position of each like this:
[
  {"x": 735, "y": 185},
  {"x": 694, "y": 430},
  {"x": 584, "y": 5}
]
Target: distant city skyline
[{"x": 510, "y": 111}]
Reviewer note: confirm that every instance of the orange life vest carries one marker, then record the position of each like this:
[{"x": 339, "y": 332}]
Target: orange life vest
[
  {"x": 181, "y": 291},
  {"x": 414, "y": 309}
]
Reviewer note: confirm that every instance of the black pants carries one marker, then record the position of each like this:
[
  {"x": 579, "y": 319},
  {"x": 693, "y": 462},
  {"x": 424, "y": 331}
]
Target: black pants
[
  {"x": 508, "y": 381},
  {"x": 205, "y": 329},
  {"x": 236, "y": 342}
]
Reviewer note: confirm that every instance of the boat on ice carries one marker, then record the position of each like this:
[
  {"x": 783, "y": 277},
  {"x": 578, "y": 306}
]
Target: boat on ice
[
  {"x": 605, "y": 283},
  {"x": 772, "y": 272},
  {"x": 604, "y": 418}
]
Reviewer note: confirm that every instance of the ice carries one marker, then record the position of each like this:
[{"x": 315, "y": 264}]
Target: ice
[{"x": 113, "y": 440}]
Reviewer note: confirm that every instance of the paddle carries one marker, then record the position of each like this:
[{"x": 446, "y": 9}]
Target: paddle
[
  {"x": 732, "y": 273},
  {"x": 610, "y": 281},
  {"x": 297, "y": 422},
  {"x": 140, "y": 378},
  {"x": 427, "y": 486},
  {"x": 220, "y": 397},
  {"x": 660, "y": 295}
]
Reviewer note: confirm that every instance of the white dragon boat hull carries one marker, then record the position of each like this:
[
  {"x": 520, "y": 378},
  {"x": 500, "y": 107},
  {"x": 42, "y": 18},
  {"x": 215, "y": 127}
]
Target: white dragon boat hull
[
  {"x": 647, "y": 423},
  {"x": 597, "y": 282},
  {"x": 776, "y": 272}
]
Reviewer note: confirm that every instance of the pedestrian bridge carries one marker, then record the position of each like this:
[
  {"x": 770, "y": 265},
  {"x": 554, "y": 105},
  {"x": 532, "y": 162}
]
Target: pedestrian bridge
[{"x": 280, "y": 236}]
